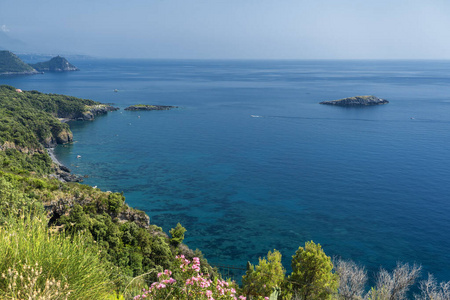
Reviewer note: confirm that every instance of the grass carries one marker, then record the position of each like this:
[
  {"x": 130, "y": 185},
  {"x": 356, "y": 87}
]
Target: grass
[{"x": 40, "y": 264}]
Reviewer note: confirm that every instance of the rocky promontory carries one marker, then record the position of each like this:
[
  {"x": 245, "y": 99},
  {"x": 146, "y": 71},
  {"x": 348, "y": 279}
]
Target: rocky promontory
[
  {"x": 56, "y": 64},
  {"x": 357, "y": 101},
  {"x": 95, "y": 110},
  {"x": 149, "y": 107},
  {"x": 10, "y": 64}
]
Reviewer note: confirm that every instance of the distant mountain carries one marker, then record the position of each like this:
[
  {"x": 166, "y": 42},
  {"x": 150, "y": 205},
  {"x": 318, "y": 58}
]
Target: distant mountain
[
  {"x": 11, "y": 64},
  {"x": 9, "y": 43},
  {"x": 56, "y": 64}
]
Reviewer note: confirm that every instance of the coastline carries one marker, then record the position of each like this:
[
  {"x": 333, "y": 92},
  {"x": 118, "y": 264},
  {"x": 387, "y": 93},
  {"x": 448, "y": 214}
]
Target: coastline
[
  {"x": 62, "y": 172},
  {"x": 51, "y": 153}
]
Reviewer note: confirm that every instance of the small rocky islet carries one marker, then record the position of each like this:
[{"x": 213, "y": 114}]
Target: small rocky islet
[
  {"x": 150, "y": 107},
  {"x": 357, "y": 101}
]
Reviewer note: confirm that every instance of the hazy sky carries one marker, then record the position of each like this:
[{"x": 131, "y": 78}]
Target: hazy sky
[{"x": 285, "y": 29}]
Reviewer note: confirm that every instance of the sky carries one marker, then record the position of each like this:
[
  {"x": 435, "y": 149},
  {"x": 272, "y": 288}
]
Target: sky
[{"x": 232, "y": 29}]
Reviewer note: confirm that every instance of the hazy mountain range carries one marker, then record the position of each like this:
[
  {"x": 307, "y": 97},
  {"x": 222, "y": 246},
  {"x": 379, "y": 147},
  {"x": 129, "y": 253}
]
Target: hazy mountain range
[{"x": 9, "y": 43}]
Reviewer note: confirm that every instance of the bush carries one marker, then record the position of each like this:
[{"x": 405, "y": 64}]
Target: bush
[
  {"x": 177, "y": 234},
  {"x": 312, "y": 276},
  {"x": 267, "y": 276},
  {"x": 190, "y": 284}
]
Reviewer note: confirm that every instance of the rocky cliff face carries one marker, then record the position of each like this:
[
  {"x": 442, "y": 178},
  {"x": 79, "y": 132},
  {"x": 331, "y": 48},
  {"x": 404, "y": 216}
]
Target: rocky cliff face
[
  {"x": 11, "y": 145},
  {"x": 63, "y": 137},
  {"x": 357, "y": 101},
  {"x": 95, "y": 110}
]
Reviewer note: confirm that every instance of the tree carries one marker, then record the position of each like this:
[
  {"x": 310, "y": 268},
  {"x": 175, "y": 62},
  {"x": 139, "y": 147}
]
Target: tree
[
  {"x": 395, "y": 285},
  {"x": 177, "y": 234},
  {"x": 352, "y": 279},
  {"x": 431, "y": 291},
  {"x": 262, "y": 279},
  {"x": 312, "y": 276}
]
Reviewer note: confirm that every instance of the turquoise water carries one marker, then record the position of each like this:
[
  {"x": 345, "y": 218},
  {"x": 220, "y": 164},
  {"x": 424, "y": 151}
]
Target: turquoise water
[{"x": 369, "y": 184}]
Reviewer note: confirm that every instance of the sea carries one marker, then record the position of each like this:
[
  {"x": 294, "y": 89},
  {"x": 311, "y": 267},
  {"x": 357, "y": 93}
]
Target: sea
[{"x": 251, "y": 162}]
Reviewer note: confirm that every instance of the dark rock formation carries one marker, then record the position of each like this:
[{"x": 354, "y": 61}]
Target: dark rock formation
[
  {"x": 150, "y": 107},
  {"x": 63, "y": 137},
  {"x": 357, "y": 101},
  {"x": 63, "y": 174},
  {"x": 56, "y": 64}
]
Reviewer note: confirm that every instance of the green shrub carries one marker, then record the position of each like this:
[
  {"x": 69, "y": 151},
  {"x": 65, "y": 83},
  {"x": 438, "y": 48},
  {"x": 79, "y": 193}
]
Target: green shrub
[
  {"x": 177, "y": 234},
  {"x": 312, "y": 276}
]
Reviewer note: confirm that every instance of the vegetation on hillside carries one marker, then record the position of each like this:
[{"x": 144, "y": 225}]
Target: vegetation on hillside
[
  {"x": 10, "y": 63},
  {"x": 28, "y": 119},
  {"x": 125, "y": 240}
]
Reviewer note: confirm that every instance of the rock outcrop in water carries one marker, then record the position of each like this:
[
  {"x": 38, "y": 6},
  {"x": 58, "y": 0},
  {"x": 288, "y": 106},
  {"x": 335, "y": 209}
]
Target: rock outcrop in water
[
  {"x": 56, "y": 64},
  {"x": 357, "y": 101},
  {"x": 149, "y": 107}
]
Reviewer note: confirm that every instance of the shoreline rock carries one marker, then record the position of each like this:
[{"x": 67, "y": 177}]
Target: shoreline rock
[
  {"x": 95, "y": 110},
  {"x": 62, "y": 173},
  {"x": 357, "y": 101}
]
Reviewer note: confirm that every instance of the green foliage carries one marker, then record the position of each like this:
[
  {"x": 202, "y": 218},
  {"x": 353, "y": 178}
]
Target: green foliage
[
  {"x": 312, "y": 276},
  {"x": 9, "y": 62},
  {"x": 33, "y": 260},
  {"x": 134, "y": 250},
  {"x": 14, "y": 161},
  {"x": 28, "y": 119},
  {"x": 260, "y": 281},
  {"x": 177, "y": 234},
  {"x": 14, "y": 201}
]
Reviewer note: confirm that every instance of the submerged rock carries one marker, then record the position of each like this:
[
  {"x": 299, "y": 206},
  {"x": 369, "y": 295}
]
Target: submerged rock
[{"x": 357, "y": 101}]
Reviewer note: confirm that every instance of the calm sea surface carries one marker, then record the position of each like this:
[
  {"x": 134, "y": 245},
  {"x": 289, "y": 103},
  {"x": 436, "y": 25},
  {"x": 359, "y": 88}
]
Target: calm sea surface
[{"x": 369, "y": 184}]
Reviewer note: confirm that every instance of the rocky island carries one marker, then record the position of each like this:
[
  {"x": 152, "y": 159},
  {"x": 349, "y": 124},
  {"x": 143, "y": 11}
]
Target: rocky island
[
  {"x": 357, "y": 101},
  {"x": 56, "y": 64},
  {"x": 149, "y": 107}
]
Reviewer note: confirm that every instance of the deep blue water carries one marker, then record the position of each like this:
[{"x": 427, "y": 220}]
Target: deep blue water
[{"x": 369, "y": 184}]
